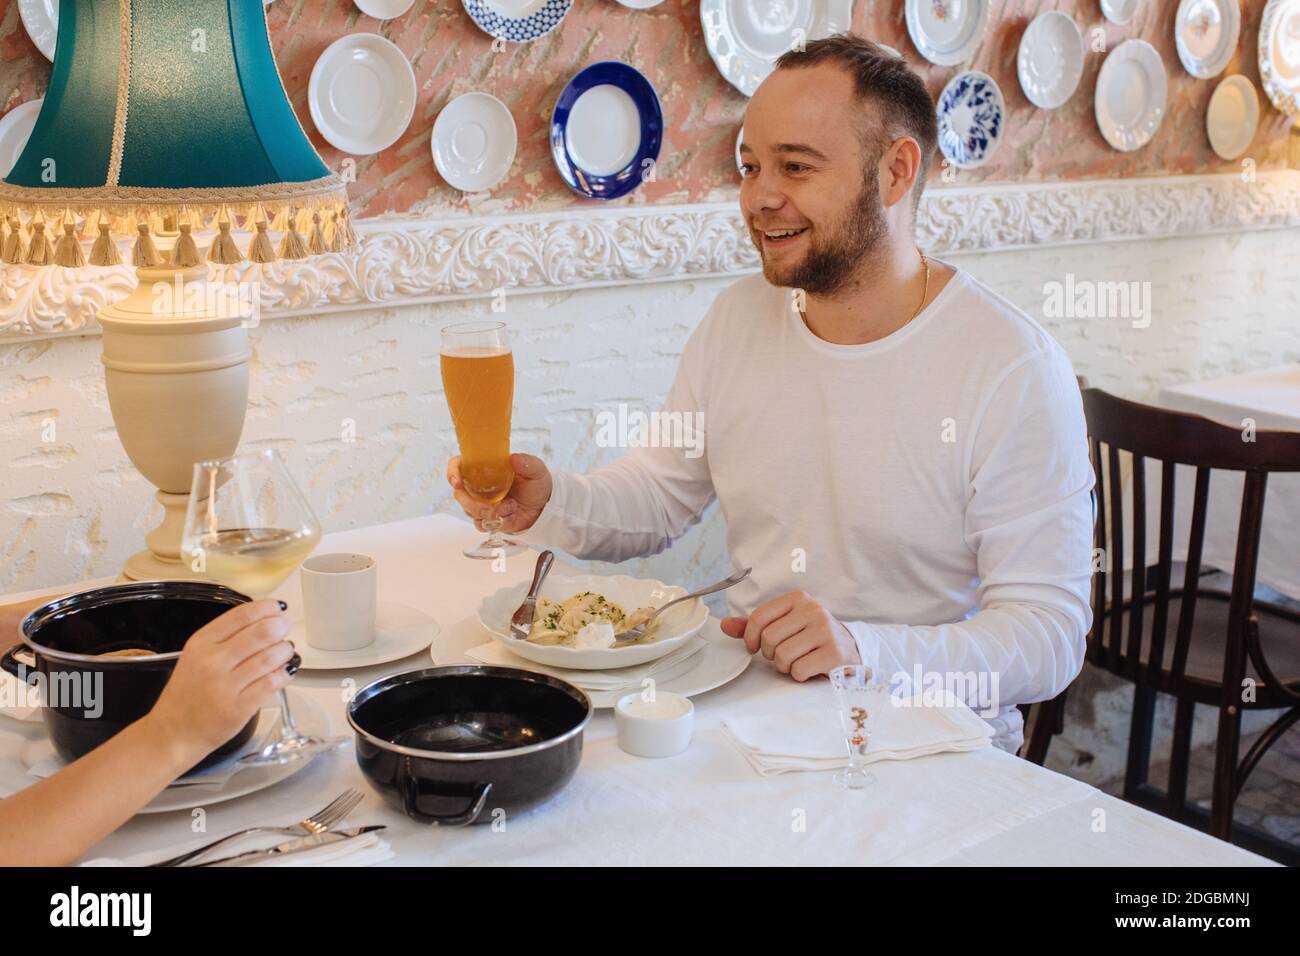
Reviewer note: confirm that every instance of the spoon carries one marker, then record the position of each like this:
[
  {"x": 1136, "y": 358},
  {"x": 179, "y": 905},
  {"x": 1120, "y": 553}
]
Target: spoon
[{"x": 639, "y": 631}]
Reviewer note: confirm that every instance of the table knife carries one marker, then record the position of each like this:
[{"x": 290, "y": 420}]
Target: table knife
[{"x": 297, "y": 845}]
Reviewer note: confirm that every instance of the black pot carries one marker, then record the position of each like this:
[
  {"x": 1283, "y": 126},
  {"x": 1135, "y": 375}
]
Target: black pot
[
  {"x": 95, "y": 697},
  {"x": 453, "y": 745}
]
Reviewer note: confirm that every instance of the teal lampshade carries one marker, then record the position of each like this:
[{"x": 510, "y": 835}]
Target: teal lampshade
[{"x": 161, "y": 112}]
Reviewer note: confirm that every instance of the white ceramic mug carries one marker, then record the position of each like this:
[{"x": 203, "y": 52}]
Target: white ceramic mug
[{"x": 338, "y": 600}]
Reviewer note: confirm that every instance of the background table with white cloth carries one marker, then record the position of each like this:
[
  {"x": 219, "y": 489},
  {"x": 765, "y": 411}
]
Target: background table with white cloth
[
  {"x": 1270, "y": 399},
  {"x": 706, "y": 806}
]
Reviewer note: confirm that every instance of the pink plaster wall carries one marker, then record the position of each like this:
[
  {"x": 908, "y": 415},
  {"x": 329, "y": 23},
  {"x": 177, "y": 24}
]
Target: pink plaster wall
[{"x": 702, "y": 112}]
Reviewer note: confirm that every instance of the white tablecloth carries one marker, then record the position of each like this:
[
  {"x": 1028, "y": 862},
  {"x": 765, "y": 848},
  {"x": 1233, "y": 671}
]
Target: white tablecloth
[
  {"x": 706, "y": 806},
  {"x": 1271, "y": 399}
]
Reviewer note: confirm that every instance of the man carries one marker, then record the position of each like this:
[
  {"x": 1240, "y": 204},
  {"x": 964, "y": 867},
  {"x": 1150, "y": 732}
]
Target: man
[{"x": 899, "y": 453}]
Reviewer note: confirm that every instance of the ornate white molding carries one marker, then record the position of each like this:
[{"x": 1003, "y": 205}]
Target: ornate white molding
[{"x": 407, "y": 260}]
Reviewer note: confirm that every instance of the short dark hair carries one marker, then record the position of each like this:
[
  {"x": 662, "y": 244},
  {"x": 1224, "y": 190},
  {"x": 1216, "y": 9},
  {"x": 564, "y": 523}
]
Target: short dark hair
[{"x": 882, "y": 78}]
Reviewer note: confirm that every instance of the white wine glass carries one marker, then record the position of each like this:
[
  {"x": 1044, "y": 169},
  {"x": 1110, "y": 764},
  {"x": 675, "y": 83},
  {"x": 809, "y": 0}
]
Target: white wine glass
[
  {"x": 478, "y": 377},
  {"x": 248, "y": 527},
  {"x": 858, "y": 692}
]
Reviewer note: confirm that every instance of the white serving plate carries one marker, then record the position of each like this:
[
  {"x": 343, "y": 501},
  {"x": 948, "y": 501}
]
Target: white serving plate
[
  {"x": 745, "y": 38},
  {"x": 362, "y": 94},
  {"x": 1050, "y": 59},
  {"x": 1233, "y": 116},
  {"x": 675, "y": 626},
  {"x": 41, "y": 20},
  {"x": 722, "y": 660},
  {"x": 15, "y": 129},
  {"x": 309, "y": 715},
  {"x": 1279, "y": 55},
  {"x": 946, "y": 32},
  {"x": 473, "y": 142},
  {"x": 1130, "y": 98},
  {"x": 1206, "y": 34}
]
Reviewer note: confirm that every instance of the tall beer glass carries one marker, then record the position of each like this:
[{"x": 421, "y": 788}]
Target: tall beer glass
[{"x": 478, "y": 375}]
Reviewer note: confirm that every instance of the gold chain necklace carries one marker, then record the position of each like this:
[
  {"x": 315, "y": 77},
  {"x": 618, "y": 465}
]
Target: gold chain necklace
[{"x": 925, "y": 294}]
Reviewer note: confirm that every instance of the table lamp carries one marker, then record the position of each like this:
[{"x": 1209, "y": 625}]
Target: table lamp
[{"x": 166, "y": 123}]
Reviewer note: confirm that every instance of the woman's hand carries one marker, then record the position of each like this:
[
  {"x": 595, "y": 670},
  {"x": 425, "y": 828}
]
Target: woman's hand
[
  {"x": 521, "y": 506},
  {"x": 226, "y": 671}
]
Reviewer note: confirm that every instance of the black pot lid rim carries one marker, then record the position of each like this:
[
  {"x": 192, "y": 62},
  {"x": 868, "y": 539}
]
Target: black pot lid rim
[{"x": 454, "y": 670}]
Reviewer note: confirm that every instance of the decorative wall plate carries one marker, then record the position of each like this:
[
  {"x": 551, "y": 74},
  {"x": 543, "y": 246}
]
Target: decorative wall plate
[
  {"x": 41, "y": 20},
  {"x": 1050, "y": 59},
  {"x": 15, "y": 129},
  {"x": 606, "y": 130},
  {"x": 1233, "y": 116},
  {"x": 1279, "y": 55},
  {"x": 740, "y": 166},
  {"x": 383, "y": 9},
  {"x": 972, "y": 117},
  {"x": 519, "y": 21},
  {"x": 1119, "y": 11},
  {"x": 745, "y": 37},
  {"x": 946, "y": 32},
  {"x": 1130, "y": 99},
  {"x": 362, "y": 93},
  {"x": 1206, "y": 34},
  {"x": 474, "y": 141}
]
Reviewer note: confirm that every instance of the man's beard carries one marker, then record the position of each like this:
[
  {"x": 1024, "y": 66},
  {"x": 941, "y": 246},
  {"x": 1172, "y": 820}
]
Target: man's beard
[{"x": 837, "y": 253}]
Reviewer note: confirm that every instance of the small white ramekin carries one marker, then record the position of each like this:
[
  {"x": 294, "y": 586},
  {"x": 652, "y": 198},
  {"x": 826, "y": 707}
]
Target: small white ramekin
[{"x": 656, "y": 728}]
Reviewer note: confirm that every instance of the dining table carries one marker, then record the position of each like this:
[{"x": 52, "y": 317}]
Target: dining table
[
  {"x": 705, "y": 806},
  {"x": 1261, "y": 400}
]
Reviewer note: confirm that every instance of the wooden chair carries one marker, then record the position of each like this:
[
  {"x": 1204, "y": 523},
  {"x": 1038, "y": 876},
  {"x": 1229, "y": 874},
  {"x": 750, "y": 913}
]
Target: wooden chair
[{"x": 1199, "y": 645}]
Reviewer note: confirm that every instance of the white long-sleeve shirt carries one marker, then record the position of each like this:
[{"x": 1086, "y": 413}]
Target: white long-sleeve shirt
[{"x": 930, "y": 489}]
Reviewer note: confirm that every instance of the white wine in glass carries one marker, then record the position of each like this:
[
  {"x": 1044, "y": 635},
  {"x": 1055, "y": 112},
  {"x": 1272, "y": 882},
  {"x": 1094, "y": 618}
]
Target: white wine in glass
[{"x": 248, "y": 527}]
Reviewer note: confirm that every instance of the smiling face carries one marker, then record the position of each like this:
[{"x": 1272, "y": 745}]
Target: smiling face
[{"x": 810, "y": 194}]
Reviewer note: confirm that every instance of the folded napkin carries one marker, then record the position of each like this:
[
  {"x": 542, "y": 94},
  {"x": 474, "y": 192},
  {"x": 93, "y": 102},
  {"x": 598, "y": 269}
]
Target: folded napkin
[
  {"x": 604, "y": 681},
  {"x": 365, "y": 850},
  {"x": 900, "y": 728},
  {"x": 214, "y": 776}
]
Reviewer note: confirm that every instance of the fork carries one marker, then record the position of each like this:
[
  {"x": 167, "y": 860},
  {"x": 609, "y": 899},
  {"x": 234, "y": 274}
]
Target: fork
[
  {"x": 318, "y": 822},
  {"x": 639, "y": 631},
  {"x": 522, "y": 621}
]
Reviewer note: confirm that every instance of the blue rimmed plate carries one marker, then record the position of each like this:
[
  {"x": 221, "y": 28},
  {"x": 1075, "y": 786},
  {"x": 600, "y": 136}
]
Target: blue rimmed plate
[
  {"x": 606, "y": 130},
  {"x": 972, "y": 116},
  {"x": 519, "y": 21}
]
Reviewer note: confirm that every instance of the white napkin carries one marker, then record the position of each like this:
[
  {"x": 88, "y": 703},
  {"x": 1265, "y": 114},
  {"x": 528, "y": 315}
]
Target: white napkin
[
  {"x": 604, "y": 681},
  {"x": 900, "y": 728},
  {"x": 212, "y": 777},
  {"x": 365, "y": 850}
]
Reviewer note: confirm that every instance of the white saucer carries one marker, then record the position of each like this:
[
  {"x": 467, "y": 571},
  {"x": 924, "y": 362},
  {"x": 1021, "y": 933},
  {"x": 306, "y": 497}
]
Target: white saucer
[
  {"x": 400, "y": 631},
  {"x": 362, "y": 94},
  {"x": 1130, "y": 98},
  {"x": 383, "y": 9},
  {"x": 946, "y": 32},
  {"x": 15, "y": 129},
  {"x": 745, "y": 38},
  {"x": 41, "y": 19},
  {"x": 1050, "y": 60},
  {"x": 1119, "y": 11},
  {"x": 474, "y": 141},
  {"x": 1233, "y": 116},
  {"x": 720, "y": 662},
  {"x": 309, "y": 715},
  {"x": 1206, "y": 34}
]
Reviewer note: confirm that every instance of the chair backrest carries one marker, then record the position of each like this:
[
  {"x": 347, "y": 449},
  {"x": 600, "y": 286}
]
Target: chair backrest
[{"x": 1172, "y": 438}]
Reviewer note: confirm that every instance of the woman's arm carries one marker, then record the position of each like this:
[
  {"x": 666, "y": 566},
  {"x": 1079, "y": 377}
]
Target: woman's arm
[{"x": 226, "y": 671}]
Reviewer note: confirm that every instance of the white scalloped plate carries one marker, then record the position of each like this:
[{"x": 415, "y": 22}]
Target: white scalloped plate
[
  {"x": 746, "y": 38},
  {"x": 675, "y": 626},
  {"x": 1130, "y": 98},
  {"x": 1279, "y": 55},
  {"x": 1049, "y": 61}
]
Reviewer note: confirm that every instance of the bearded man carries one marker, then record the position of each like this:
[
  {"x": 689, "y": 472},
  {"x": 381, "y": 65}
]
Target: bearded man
[{"x": 899, "y": 452}]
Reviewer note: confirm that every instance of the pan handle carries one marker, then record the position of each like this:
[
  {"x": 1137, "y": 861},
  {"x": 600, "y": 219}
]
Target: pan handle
[
  {"x": 412, "y": 788},
  {"x": 23, "y": 671}
]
